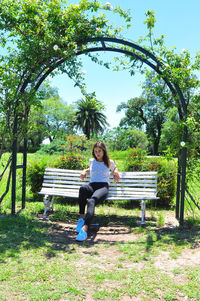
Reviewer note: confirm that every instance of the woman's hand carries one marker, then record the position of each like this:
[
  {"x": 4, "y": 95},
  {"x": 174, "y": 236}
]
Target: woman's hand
[
  {"x": 84, "y": 174},
  {"x": 116, "y": 175}
]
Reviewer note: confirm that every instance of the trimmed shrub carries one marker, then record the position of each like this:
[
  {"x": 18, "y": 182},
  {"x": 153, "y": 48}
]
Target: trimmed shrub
[
  {"x": 35, "y": 169},
  {"x": 55, "y": 147},
  {"x": 35, "y": 172},
  {"x": 137, "y": 161},
  {"x": 72, "y": 161}
]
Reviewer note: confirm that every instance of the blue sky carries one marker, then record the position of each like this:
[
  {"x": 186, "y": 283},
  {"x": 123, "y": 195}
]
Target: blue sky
[{"x": 178, "y": 20}]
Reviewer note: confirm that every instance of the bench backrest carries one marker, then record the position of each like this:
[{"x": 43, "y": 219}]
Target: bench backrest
[{"x": 133, "y": 185}]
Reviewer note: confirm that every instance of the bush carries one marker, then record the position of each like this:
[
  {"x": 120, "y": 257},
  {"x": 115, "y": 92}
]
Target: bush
[
  {"x": 123, "y": 138},
  {"x": 35, "y": 172},
  {"x": 72, "y": 161},
  {"x": 77, "y": 144},
  {"x": 137, "y": 161},
  {"x": 55, "y": 147},
  {"x": 36, "y": 168}
]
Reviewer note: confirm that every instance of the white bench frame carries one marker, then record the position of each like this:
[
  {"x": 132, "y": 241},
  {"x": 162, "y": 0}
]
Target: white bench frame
[{"x": 66, "y": 183}]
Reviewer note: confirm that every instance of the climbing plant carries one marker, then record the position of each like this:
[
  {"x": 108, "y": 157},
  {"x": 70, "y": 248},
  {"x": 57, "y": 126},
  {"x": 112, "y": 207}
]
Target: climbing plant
[{"x": 38, "y": 38}]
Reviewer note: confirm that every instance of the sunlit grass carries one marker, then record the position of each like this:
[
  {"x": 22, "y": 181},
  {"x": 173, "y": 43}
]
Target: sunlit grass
[{"x": 37, "y": 266}]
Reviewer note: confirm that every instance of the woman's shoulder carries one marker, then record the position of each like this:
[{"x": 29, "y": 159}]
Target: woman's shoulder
[
  {"x": 91, "y": 160},
  {"x": 112, "y": 164}
]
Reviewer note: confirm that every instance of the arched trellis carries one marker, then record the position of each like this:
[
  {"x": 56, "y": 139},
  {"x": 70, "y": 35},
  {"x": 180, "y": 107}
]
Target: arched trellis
[{"x": 98, "y": 44}]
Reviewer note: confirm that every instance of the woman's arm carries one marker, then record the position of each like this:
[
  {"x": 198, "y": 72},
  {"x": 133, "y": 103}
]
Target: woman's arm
[
  {"x": 84, "y": 173},
  {"x": 116, "y": 175},
  {"x": 115, "y": 172}
]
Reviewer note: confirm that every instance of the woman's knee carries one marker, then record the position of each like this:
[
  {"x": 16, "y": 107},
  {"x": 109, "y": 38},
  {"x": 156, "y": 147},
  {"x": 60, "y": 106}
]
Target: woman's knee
[
  {"x": 83, "y": 190},
  {"x": 91, "y": 202}
]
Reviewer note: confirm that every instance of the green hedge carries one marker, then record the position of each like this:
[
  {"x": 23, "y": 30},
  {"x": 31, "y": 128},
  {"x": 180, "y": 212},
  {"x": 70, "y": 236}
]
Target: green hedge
[
  {"x": 35, "y": 173},
  {"x": 72, "y": 161},
  {"x": 138, "y": 161},
  {"x": 36, "y": 168}
]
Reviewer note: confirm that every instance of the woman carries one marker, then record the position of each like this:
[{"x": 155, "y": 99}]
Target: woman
[{"x": 99, "y": 169}]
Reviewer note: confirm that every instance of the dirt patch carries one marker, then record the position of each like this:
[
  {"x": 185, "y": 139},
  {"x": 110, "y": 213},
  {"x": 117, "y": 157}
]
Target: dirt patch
[
  {"x": 189, "y": 257},
  {"x": 63, "y": 235},
  {"x": 103, "y": 251}
]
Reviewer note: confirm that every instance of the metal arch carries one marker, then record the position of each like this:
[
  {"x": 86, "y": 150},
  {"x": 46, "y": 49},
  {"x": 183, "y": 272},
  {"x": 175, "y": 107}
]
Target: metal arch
[
  {"x": 121, "y": 41},
  {"x": 113, "y": 49},
  {"x": 156, "y": 67},
  {"x": 137, "y": 57}
]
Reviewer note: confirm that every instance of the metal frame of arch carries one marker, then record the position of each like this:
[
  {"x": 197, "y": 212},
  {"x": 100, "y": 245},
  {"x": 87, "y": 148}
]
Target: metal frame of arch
[{"x": 142, "y": 55}]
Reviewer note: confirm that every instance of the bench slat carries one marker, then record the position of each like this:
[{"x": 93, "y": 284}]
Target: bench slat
[
  {"x": 67, "y": 192},
  {"x": 75, "y": 185},
  {"x": 77, "y": 178},
  {"x": 58, "y": 170},
  {"x": 77, "y": 173},
  {"x": 131, "y": 187},
  {"x": 74, "y": 194},
  {"x": 70, "y": 179}
]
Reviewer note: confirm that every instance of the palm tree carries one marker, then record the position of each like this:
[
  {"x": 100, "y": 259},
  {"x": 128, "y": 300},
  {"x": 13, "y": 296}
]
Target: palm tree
[{"x": 89, "y": 116}]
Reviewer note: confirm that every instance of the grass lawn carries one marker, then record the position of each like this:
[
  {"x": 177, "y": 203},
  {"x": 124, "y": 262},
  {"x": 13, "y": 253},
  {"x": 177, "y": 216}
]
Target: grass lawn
[{"x": 40, "y": 260}]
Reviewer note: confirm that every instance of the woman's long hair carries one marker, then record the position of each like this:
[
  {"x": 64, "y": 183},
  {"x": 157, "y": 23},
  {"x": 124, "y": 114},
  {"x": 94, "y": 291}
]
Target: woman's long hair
[{"x": 106, "y": 158}]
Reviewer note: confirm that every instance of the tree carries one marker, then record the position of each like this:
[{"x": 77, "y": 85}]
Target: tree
[
  {"x": 89, "y": 116},
  {"x": 146, "y": 111},
  {"x": 177, "y": 70},
  {"x": 50, "y": 117},
  {"x": 40, "y": 37},
  {"x": 59, "y": 117},
  {"x": 122, "y": 138},
  {"x": 170, "y": 131}
]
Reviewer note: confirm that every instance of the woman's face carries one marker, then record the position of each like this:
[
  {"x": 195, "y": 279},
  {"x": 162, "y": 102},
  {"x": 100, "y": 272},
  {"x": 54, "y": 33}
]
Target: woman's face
[{"x": 98, "y": 153}]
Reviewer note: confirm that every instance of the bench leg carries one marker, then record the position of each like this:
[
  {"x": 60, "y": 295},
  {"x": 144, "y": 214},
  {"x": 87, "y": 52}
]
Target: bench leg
[
  {"x": 143, "y": 207},
  {"x": 47, "y": 205},
  {"x": 52, "y": 202}
]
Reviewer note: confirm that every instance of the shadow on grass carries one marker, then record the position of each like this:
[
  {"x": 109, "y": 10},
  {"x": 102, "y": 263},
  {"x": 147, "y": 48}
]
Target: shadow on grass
[
  {"x": 22, "y": 233},
  {"x": 18, "y": 232}
]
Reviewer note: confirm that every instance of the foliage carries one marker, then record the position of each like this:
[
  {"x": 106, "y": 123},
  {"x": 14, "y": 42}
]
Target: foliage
[
  {"x": 170, "y": 131},
  {"x": 36, "y": 168},
  {"x": 55, "y": 147},
  {"x": 135, "y": 159},
  {"x": 70, "y": 143},
  {"x": 51, "y": 118},
  {"x": 122, "y": 138},
  {"x": 39, "y": 38},
  {"x": 72, "y": 161},
  {"x": 179, "y": 73},
  {"x": 147, "y": 110},
  {"x": 59, "y": 117},
  {"x": 35, "y": 172},
  {"x": 138, "y": 161},
  {"x": 89, "y": 115},
  {"x": 78, "y": 144}
]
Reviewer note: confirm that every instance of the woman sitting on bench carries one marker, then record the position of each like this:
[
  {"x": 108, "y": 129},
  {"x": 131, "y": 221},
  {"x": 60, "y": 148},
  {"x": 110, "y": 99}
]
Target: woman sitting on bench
[{"x": 97, "y": 189}]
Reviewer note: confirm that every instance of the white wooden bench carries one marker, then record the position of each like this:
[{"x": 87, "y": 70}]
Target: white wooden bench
[{"x": 132, "y": 186}]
